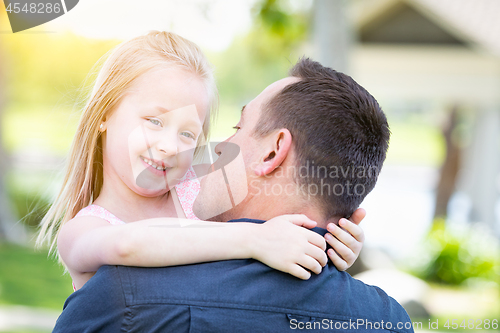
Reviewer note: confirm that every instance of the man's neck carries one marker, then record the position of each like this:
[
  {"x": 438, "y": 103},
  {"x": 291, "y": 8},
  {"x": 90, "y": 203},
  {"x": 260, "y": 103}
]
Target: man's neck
[{"x": 266, "y": 207}]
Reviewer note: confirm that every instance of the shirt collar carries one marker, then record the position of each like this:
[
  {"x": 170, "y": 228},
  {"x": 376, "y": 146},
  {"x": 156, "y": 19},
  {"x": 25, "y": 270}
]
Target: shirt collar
[{"x": 318, "y": 230}]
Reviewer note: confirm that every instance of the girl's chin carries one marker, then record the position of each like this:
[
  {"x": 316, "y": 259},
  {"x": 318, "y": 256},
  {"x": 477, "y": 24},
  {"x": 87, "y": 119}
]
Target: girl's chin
[
  {"x": 153, "y": 186},
  {"x": 151, "y": 192}
]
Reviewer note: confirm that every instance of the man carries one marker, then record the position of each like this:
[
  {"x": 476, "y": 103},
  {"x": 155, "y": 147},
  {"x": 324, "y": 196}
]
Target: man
[{"x": 312, "y": 143}]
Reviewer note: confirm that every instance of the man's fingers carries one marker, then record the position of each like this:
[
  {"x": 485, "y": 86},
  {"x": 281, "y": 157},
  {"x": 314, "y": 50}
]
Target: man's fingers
[{"x": 358, "y": 216}]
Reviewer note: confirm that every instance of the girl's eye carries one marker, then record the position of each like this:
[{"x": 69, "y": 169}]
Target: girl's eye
[
  {"x": 188, "y": 135},
  {"x": 154, "y": 121},
  {"x": 237, "y": 128}
]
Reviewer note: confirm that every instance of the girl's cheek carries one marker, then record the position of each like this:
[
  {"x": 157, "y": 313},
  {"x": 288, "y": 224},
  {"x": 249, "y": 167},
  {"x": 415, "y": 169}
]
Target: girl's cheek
[
  {"x": 138, "y": 137},
  {"x": 185, "y": 160}
]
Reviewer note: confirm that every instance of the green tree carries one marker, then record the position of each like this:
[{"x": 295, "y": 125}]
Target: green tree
[{"x": 264, "y": 54}]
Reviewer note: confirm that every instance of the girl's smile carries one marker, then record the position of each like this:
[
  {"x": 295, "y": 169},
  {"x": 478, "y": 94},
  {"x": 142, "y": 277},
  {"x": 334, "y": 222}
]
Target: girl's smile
[{"x": 157, "y": 168}]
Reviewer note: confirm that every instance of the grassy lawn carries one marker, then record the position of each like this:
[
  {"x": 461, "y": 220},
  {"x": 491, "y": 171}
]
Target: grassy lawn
[
  {"x": 30, "y": 278},
  {"x": 25, "y": 331}
]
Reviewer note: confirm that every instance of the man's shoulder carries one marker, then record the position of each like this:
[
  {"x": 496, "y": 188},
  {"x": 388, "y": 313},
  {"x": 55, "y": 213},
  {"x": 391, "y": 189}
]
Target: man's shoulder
[
  {"x": 250, "y": 285},
  {"x": 239, "y": 287},
  {"x": 371, "y": 304},
  {"x": 100, "y": 305}
]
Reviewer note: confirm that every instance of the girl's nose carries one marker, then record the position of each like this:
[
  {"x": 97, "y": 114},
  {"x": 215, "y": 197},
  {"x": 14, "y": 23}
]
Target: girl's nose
[
  {"x": 167, "y": 150},
  {"x": 167, "y": 145}
]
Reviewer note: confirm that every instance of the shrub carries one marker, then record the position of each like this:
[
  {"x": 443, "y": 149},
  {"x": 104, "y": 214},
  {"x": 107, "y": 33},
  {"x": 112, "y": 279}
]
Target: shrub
[{"x": 457, "y": 254}]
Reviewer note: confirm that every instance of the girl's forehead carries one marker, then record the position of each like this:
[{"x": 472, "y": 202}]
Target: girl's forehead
[
  {"x": 185, "y": 113},
  {"x": 175, "y": 73},
  {"x": 169, "y": 87},
  {"x": 135, "y": 105},
  {"x": 173, "y": 82},
  {"x": 163, "y": 90}
]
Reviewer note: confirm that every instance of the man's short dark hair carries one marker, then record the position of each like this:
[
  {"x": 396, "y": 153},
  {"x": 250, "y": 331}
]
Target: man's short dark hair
[{"x": 340, "y": 135}]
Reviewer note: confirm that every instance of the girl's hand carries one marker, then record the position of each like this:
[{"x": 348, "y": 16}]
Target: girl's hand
[
  {"x": 347, "y": 240},
  {"x": 290, "y": 247}
]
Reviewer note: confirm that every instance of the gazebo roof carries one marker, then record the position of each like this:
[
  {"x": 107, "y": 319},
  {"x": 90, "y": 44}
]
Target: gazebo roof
[{"x": 475, "y": 23}]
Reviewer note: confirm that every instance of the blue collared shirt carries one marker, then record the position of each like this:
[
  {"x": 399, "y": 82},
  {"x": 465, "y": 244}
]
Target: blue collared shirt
[{"x": 228, "y": 296}]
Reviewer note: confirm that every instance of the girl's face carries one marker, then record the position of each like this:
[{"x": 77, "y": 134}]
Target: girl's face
[{"x": 151, "y": 135}]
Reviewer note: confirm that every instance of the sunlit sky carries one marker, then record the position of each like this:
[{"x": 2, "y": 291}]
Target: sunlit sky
[{"x": 210, "y": 23}]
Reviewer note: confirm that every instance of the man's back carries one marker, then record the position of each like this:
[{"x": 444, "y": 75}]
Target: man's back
[{"x": 228, "y": 296}]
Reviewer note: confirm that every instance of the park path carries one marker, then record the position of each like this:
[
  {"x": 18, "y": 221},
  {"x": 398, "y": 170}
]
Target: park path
[{"x": 19, "y": 317}]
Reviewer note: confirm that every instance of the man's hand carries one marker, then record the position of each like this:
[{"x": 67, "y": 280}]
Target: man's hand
[{"x": 347, "y": 240}]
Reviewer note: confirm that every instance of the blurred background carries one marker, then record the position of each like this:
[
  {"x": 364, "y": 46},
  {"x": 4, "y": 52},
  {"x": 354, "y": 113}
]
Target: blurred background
[{"x": 433, "y": 223}]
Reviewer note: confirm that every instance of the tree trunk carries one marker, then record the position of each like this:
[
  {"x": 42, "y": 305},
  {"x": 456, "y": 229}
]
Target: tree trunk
[
  {"x": 450, "y": 167},
  {"x": 9, "y": 229}
]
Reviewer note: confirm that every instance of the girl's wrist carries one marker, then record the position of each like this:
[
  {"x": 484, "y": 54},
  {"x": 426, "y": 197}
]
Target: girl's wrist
[
  {"x": 244, "y": 236},
  {"x": 251, "y": 239}
]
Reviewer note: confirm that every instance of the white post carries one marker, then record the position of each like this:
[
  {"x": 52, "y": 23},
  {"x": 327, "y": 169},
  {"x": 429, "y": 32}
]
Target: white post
[
  {"x": 332, "y": 34},
  {"x": 481, "y": 168}
]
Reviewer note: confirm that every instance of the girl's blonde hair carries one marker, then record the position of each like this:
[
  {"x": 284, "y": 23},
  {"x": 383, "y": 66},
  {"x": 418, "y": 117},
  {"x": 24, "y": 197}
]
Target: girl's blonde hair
[{"x": 83, "y": 176}]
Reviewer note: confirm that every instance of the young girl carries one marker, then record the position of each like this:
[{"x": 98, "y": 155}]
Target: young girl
[{"x": 151, "y": 101}]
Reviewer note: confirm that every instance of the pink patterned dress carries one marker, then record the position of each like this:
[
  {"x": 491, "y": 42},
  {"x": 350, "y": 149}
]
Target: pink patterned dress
[{"x": 187, "y": 190}]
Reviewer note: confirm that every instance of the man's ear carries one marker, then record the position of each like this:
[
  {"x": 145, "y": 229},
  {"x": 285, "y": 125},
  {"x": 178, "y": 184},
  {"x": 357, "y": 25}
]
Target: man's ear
[{"x": 277, "y": 147}]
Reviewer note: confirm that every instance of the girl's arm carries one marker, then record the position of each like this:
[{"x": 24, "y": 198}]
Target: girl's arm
[
  {"x": 86, "y": 243},
  {"x": 346, "y": 239}
]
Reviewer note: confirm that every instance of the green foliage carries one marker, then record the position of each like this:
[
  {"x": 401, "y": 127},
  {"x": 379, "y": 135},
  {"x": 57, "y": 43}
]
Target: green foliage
[
  {"x": 29, "y": 205},
  {"x": 29, "y": 194},
  {"x": 278, "y": 29},
  {"x": 457, "y": 255},
  {"x": 262, "y": 56},
  {"x": 31, "y": 278},
  {"x": 41, "y": 68}
]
